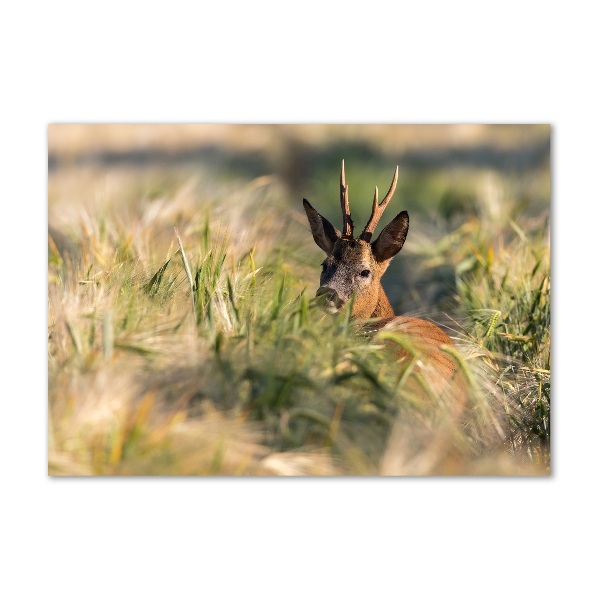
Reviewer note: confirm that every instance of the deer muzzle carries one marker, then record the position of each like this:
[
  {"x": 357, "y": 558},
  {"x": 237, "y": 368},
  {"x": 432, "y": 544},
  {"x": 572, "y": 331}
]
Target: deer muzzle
[{"x": 331, "y": 301}]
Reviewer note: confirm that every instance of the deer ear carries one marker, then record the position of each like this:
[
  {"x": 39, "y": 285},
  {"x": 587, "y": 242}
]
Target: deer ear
[
  {"x": 324, "y": 233},
  {"x": 391, "y": 239}
]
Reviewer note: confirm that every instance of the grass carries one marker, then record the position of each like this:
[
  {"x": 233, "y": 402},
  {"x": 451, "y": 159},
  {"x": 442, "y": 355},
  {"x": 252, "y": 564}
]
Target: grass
[
  {"x": 501, "y": 264},
  {"x": 184, "y": 340}
]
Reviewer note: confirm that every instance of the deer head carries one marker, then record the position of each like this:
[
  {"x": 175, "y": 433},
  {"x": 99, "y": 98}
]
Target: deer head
[{"x": 353, "y": 267}]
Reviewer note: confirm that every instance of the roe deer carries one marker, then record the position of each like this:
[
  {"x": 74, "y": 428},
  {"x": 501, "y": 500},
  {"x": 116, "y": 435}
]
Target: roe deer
[{"x": 354, "y": 267}]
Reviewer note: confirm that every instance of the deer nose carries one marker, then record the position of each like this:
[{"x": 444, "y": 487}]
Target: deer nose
[{"x": 330, "y": 296}]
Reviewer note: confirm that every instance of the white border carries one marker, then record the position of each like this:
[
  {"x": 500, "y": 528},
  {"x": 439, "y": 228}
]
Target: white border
[{"x": 310, "y": 62}]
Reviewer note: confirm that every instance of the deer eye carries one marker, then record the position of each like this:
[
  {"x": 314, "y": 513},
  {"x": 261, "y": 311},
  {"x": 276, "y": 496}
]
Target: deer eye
[
  {"x": 365, "y": 273},
  {"x": 324, "y": 267}
]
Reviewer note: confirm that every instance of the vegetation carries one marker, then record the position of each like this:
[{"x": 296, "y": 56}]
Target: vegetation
[{"x": 184, "y": 338}]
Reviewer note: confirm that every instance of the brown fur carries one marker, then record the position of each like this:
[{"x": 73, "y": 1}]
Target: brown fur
[{"x": 353, "y": 269}]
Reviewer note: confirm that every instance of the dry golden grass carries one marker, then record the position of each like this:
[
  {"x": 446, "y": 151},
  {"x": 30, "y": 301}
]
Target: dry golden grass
[
  {"x": 250, "y": 379},
  {"x": 72, "y": 140}
]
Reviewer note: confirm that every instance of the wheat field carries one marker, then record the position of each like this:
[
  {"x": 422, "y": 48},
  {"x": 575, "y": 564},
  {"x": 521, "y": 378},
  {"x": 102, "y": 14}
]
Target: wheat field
[{"x": 183, "y": 338}]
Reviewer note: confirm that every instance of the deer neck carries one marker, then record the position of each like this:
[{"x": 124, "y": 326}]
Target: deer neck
[{"x": 383, "y": 308}]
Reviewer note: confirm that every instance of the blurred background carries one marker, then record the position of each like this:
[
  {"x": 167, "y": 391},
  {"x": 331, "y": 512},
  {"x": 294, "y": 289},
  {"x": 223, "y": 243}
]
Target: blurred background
[{"x": 448, "y": 174}]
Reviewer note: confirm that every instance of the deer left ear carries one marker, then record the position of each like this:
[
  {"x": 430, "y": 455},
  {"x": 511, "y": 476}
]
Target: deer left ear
[
  {"x": 392, "y": 238},
  {"x": 324, "y": 233}
]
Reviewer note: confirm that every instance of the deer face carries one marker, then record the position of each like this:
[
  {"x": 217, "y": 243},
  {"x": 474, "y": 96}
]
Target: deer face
[
  {"x": 350, "y": 270},
  {"x": 353, "y": 267}
]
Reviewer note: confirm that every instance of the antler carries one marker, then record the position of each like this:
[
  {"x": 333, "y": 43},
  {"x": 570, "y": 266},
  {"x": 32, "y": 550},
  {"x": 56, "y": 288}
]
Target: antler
[
  {"x": 348, "y": 230},
  {"x": 378, "y": 209}
]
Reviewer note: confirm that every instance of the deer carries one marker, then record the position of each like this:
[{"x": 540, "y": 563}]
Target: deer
[{"x": 352, "y": 270}]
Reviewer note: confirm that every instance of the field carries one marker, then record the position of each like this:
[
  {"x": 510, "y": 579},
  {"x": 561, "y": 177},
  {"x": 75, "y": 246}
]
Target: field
[{"x": 183, "y": 338}]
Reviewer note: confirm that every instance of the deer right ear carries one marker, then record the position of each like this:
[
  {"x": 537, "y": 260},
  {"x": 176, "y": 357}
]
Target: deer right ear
[
  {"x": 392, "y": 238},
  {"x": 324, "y": 233}
]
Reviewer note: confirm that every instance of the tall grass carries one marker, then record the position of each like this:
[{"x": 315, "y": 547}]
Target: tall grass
[
  {"x": 201, "y": 351},
  {"x": 500, "y": 258}
]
